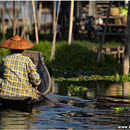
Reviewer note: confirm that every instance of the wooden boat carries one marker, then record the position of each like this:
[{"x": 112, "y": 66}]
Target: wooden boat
[{"x": 44, "y": 86}]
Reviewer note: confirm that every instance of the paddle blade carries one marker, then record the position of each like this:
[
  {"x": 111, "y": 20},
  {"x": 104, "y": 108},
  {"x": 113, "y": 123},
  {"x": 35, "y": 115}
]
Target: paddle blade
[
  {"x": 61, "y": 105},
  {"x": 57, "y": 104}
]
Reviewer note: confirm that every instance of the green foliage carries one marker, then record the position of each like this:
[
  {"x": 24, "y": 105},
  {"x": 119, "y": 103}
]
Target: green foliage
[
  {"x": 74, "y": 89},
  {"x": 47, "y": 37},
  {"x": 76, "y": 60},
  {"x": 124, "y": 10},
  {"x": 118, "y": 109},
  {"x": 4, "y": 52},
  {"x": 97, "y": 77},
  {"x": 45, "y": 48},
  {"x": 111, "y": 43},
  {"x": 80, "y": 88}
]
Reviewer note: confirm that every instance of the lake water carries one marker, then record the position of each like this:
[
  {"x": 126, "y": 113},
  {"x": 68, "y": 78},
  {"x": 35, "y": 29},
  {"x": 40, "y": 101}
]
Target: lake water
[{"x": 104, "y": 105}]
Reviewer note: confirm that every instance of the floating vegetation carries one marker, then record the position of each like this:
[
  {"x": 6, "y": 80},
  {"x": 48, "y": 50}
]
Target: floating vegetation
[
  {"x": 118, "y": 109},
  {"x": 74, "y": 90},
  {"x": 116, "y": 78}
]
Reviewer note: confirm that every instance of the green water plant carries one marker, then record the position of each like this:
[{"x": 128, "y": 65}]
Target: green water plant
[
  {"x": 73, "y": 89},
  {"x": 124, "y": 10},
  {"x": 118, "y": 109},
  {"x": 96, "y": 77}
]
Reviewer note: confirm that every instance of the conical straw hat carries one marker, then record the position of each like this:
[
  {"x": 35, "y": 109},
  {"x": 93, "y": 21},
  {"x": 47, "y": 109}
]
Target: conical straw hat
[{"x": 17, "y": 42}]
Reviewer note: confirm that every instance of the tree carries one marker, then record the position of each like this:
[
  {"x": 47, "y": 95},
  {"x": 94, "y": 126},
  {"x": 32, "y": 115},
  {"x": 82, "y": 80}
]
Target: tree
[{"x": 127, "y": 44}]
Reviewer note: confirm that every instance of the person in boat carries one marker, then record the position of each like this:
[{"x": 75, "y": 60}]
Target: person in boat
[{"x": 18, "y": 72}]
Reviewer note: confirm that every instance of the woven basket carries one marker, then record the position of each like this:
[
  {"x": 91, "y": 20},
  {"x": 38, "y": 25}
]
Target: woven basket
[{"x": 114, "y": 11}]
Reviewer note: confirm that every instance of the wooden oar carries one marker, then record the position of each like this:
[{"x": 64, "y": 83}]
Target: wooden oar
[{"x": 57, "y": 104}]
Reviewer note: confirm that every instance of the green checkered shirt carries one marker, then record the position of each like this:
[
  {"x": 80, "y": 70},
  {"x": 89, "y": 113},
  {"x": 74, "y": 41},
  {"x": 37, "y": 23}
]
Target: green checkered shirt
[{"x": 19, "y": 74}]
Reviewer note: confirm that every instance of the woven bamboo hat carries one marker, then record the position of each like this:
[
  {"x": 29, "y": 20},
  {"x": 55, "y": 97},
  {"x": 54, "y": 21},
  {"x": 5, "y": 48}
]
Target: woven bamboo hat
[{"x": 17, "y": 42}]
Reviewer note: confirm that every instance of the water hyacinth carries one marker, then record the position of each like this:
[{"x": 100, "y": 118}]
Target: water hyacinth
[
  {"x": 116, "y": 78},
  {"x": 74, "y": 90}
]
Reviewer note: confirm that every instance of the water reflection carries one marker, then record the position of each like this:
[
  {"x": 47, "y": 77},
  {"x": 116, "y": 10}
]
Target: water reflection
[
  {"x": 119, "y": 92},
  {"x": 16, "y": 119},
  {"x": 101, "y": 89},
  {"x": 107, "y": 104},
  {"x": 104, "y": 105},
  {"x": 126, "y": 88}
]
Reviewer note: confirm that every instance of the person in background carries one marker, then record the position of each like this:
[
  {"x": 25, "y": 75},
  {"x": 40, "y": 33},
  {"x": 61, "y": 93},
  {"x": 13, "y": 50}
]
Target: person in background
[{"x": 18, "y": 72}]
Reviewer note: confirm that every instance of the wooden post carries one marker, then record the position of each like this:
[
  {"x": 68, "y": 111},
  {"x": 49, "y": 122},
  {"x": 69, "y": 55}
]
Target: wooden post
[
  {"x": 17, "y": 15},
  {"x": 127, "y": 44},
  {"x": 91, "y": 10},
  {"x": 126, "y": 65},
  {"x": 54, "y": 15},
  {"x": 34, "y": 16},
  {"x": 3, "y": 18},
  {"x": 126, "y": 2},
  {"x": 118, "y": 54},
  {"x": 108, "y": 50},
  {"x": 71, "y": 22},
  {"x": 78, "y": 8},
  {"x": 24, "y": 20},
  {"x": 123, "y": 49},
  {"x": 27, "y": 37},
  {"x": 14, "y": 19},
  {"x": 54, "y": 34},
  {"x": 104, "y": 33},
  {"x": 125, "y": 88},
  {"x": 39, "y": 15}
]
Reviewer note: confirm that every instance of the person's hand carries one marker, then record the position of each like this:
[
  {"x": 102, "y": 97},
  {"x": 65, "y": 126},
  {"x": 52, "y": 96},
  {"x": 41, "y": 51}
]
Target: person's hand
[{"x": 36, "y": 88}]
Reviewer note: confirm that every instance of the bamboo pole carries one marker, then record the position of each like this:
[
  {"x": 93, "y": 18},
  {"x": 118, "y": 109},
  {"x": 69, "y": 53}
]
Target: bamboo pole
[
  {"x": 39, "y": 14},
  {"x": 54, "y": 15},
  {"x": 18, "y": 13},
  {"x": 92, "y": 8},
  {"x": 14, "y": 19},
  {"x": 104, "y": 33},
  {"x": 54, "y": 34},
  {"x": 23, "y": 26},
  {"x": 34, "y": 16},
  {"x": 9, "y": 15},
  {"x": 3, "y": 18},
  {"x": 118, "y": 54},
  {"x": 24, "y": 20},
  {"x": 71, "y": 22}
]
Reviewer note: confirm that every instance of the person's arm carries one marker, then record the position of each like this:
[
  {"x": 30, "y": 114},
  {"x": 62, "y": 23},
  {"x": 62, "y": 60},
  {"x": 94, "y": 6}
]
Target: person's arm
[{"x": 33, "y": 75}]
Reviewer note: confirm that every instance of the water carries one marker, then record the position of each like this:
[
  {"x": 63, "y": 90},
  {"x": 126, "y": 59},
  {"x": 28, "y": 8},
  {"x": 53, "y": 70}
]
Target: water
[{"x": 105, "y": 105}]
